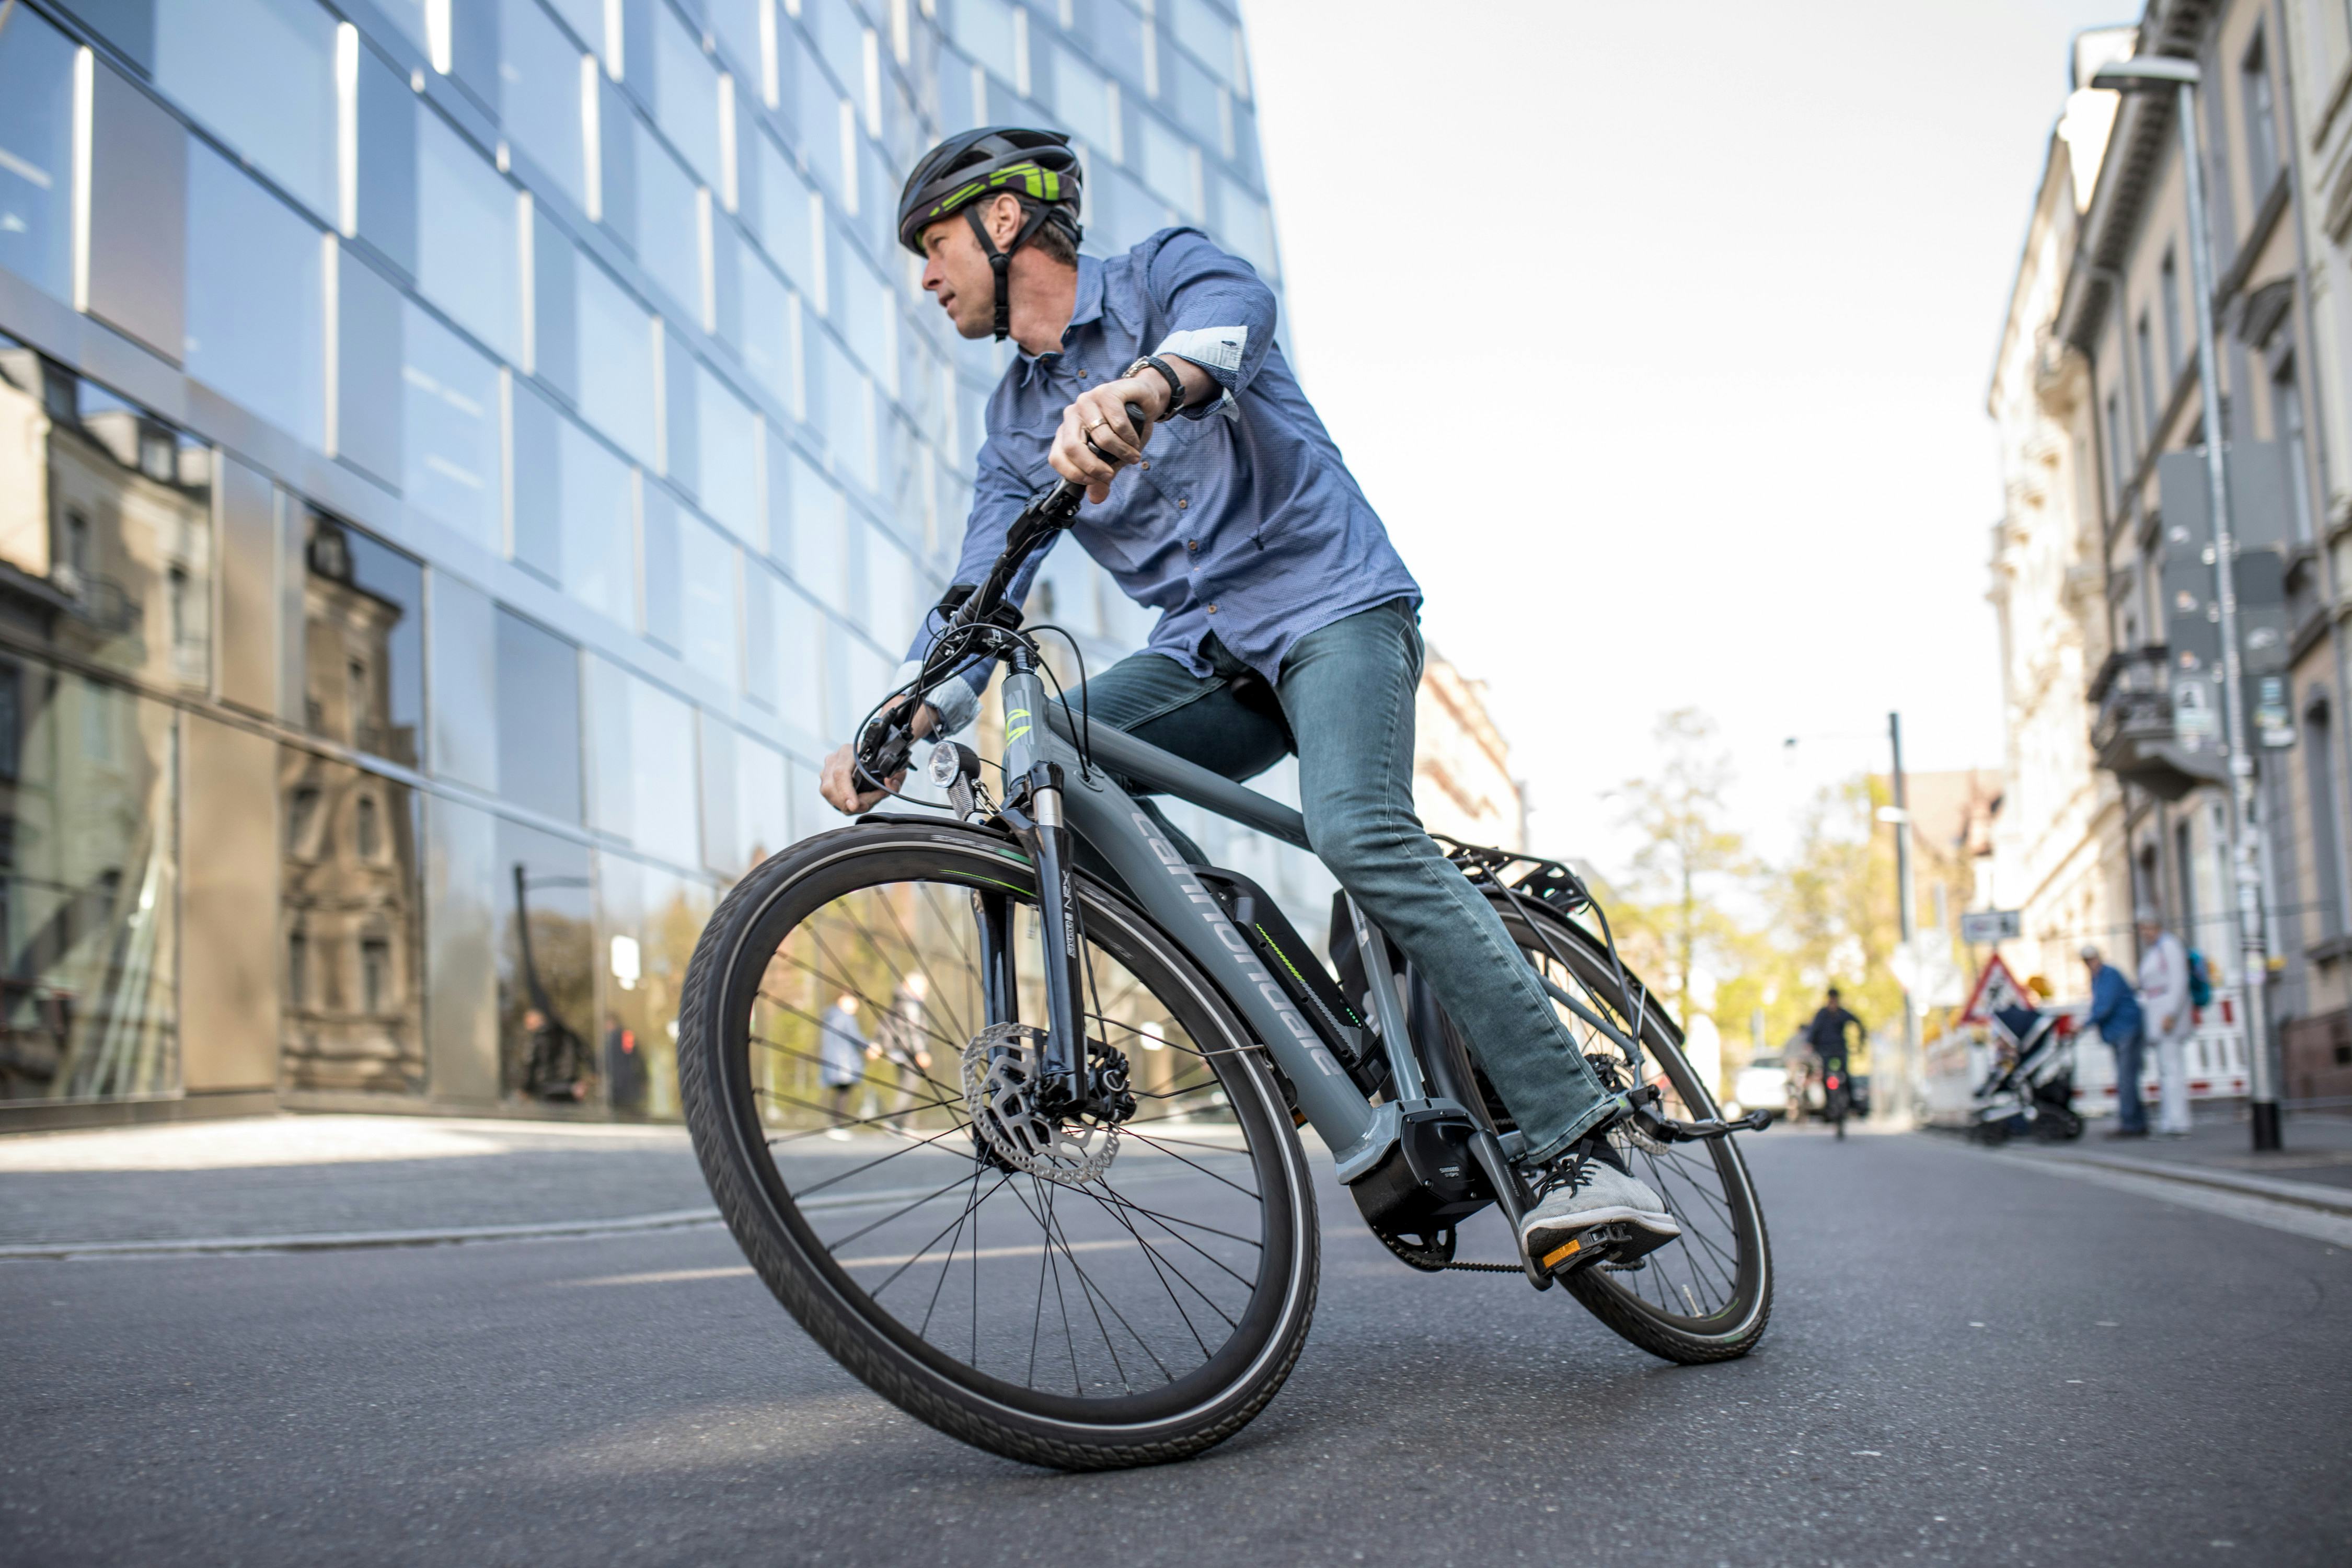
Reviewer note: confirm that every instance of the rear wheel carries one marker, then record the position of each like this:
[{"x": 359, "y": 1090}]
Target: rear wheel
[
  {"x": 1140, "y": 1314},
  {"x": 1706, "y": 1295}
]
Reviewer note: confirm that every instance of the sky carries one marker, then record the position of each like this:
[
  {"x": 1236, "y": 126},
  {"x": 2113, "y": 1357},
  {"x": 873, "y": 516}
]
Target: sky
[{"x": 1659, "y": 336}]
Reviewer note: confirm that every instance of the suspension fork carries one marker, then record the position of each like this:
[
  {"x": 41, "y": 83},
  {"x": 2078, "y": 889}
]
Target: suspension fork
[{"x": 1033, "y": 804}]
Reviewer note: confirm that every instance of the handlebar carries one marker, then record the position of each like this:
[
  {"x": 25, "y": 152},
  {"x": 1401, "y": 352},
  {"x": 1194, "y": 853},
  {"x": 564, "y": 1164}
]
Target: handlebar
[{"x": 882, "y": 749}]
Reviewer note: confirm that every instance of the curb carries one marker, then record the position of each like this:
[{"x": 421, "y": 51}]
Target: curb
[
  {"x": 2310, "y": 1194},
  {"x": 359, "y": 1240}
]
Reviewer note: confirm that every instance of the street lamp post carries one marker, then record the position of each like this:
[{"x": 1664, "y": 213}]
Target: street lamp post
[
  {"x": 2154, "y": 73},
  {"x": 1891, "y": 1094}
]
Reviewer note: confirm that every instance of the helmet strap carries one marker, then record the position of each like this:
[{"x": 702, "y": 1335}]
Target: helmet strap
[{"x": 1001, "y": 261}]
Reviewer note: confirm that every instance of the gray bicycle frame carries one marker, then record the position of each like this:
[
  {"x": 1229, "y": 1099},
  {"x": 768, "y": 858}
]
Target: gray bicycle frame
[{"x": 1159, "y": 878}]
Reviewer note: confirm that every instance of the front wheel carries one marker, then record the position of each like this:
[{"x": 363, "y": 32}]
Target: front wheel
[{"x": 1123, "y": 1295}]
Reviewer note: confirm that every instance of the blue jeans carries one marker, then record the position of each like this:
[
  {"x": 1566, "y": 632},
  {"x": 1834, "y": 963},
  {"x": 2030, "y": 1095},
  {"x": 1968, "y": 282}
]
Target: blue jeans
[
  {"x": 1345, "y": 704},
  {"x": 2131, "y": 1115}
]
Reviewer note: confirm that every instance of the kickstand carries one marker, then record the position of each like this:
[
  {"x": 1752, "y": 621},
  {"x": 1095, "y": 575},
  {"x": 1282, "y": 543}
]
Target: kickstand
[{"x": 1511, "y": 1195}]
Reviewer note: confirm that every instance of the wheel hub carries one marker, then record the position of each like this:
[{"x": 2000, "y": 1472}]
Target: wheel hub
[{"x": 1002, "y": 1078}]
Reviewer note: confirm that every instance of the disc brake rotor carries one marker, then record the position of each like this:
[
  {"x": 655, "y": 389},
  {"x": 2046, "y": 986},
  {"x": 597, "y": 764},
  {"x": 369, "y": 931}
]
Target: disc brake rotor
[{"x": 1000, "y": 1068}]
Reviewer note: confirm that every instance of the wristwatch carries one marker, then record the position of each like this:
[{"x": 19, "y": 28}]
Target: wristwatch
[{"x": 1175, "y": 382}]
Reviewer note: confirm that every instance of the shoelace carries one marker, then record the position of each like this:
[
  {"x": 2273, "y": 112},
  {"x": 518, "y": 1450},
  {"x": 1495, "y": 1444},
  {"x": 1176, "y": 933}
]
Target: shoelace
[{"x": 1567, "y": 1174}]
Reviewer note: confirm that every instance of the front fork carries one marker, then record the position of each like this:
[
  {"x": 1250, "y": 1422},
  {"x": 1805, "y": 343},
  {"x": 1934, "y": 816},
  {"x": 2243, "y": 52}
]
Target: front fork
[{"x": 1033, "y": 805}]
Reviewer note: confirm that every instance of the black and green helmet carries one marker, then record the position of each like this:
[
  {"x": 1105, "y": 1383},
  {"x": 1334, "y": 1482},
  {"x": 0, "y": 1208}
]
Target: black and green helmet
[{"x": 1035, "y": 166}]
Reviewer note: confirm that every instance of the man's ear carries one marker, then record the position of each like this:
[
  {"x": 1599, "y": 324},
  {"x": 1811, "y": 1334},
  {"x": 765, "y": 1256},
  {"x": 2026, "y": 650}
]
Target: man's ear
[{"x": 1004, "y": 219}]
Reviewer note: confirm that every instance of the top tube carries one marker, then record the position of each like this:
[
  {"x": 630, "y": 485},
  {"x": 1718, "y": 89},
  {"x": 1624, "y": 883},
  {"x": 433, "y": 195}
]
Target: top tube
[{"x": 1147, "y": 765}]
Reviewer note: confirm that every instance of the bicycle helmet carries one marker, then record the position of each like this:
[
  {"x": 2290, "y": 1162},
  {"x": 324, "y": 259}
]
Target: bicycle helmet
[{"x": 1035, "y": 166}]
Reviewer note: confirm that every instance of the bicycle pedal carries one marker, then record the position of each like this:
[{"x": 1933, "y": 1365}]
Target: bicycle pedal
[{"x": 1584, "y": 1249}]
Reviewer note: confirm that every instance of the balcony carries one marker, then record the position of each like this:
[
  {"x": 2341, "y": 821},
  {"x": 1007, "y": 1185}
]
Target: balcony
[{"x": 2144, "y": 736}]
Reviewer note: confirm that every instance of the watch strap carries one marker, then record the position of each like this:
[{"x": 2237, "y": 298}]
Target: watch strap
[{"x": 1168, "y": 372}]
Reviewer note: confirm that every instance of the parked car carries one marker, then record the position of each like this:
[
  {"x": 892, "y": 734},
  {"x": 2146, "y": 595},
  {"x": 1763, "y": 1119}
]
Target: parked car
[{"x": 1763, "y": 1084}]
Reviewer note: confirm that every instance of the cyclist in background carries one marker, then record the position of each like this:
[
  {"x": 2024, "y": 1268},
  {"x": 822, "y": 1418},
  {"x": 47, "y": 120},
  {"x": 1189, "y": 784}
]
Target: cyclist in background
[
  {"x": 1286, "y": 621},
  {"x": 1826, "y": 1036}
]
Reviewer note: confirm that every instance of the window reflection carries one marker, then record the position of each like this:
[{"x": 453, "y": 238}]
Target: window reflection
[
  {"x": 468, "y": 259},
  {"x": 351, "y": 904},
  {"x": 255, "y": 320},
  {"x": 106, "y": 519},
  {"x": 668, "y": 231},
  {"x": 768, "y": 331},
  {"x": 707, "y": 576},
  {"x": 616, "y": 362},
  {"x": 539, "y": 94},
  {"x": 261, "y": 75},
  {"x": 546, "y": 979},
  {"x": 597, "y": 507},
  {"x": 89, "y": 889},
  {"x": 539, "y": 718},
  {"x": 37, "y": 154},
  {"x": 817, "y": 548},
  {"x": 649, "y": 920},
  {"x": 727, "y": 436},
  {"x": 363, "y": 642},
  {"x": 791, "y": 218},
  {"x": 449, "y": 419},
  {"x": 643, "y": 760},
  {"x": 686, "y": 93}
]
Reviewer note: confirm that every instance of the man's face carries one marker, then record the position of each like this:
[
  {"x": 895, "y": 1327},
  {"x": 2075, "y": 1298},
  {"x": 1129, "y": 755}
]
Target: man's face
[{"x": 956, "y": 270}]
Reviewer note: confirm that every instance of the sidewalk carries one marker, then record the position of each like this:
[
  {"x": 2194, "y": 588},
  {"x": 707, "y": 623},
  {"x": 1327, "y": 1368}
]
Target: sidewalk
[
  {"x": 2313, "y": 1168},
  {"x": 324, "y": 1178}
]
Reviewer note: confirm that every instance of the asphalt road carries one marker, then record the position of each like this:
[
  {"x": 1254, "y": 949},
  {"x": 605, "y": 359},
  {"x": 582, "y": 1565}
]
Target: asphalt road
[{"x": 1973, "y": 1360}]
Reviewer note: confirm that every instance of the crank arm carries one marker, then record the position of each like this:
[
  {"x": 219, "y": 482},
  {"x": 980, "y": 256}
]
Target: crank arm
[{"x": 1666, "y": 1130}]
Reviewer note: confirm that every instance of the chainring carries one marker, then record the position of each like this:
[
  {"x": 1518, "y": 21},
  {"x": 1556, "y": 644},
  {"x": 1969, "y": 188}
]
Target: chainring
[{"x": 1000, "y": 1074}]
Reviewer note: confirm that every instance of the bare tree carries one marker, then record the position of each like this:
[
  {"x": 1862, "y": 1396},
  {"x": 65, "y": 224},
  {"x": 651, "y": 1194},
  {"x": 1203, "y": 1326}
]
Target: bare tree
[{"x": 1686, "y": 844}]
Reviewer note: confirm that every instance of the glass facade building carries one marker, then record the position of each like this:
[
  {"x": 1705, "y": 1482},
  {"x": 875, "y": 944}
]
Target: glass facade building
[{"x": 462, "y": 463}]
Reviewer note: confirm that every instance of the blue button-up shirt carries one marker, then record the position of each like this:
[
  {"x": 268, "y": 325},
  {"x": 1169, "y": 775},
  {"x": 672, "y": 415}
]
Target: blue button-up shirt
[{"x": 1242, "y": 520}]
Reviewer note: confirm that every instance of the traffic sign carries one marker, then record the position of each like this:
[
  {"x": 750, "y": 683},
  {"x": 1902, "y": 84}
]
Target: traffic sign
[{"x": 1989, "y": 925}]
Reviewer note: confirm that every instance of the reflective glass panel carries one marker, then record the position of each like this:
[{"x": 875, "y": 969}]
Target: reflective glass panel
[
  {"x": 1083, "y": 98},
  {"x": 668, "y": 236},
  {"x": 351, "y": 1015},
  {"x": 599, "y": 524},
  {"x": 660, "y": 591},
  {"x": 260, "y": 75},
  {"x": 865, "y": 314},
  {"x": 818, "y": 118},
  {"x": 847, "y": 402},
  {"x": 661, "y": 914},
  {"x": 89, "y": 889},
  {"x": 254, "y": 326},
  {"x": 768, "y": 332},
  {"x": 801, "y": 676},
  {"x": 819, "y": 547},
  {"x": 889, "y": 587},
  {"x": 789, "y": 216},
  {"x": 718, "y": 832},
  {"x": 616, "y": 362},
  {"x": 546, "y": 976},
  {"x": 1245, "y": 225},
  {"x": 110, "y": 513},
  {"x": 362, "y": 641},
  {"x": 465, "y": 671},
  {"x": 707, "y": 574},
  {"x": 539, "y": 718},
  {"x": 729, "y": 435},
  {"x": 686, "y": 93},
  {"x": 1168, "y": 165},
  {"x": 449, "y": 397},
  {"x": 983, "y": 30},
  {"x": 468, "y": 260},
  {"x": 762, "y": 596},
  {"x": 586, "y": 20},
  {"x": 539, "y": 94},
  {"x": 1201, "y": 29},
  {"x": 762, "y": 810},
  {"x": 736, "y": 24},
  {"x": 37, "y": 154},
  {"x": 645, "y": 785}
]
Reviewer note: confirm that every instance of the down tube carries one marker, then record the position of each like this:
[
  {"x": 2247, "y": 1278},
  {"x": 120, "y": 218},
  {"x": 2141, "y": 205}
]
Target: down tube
[{"x": 1109, "y": 819}]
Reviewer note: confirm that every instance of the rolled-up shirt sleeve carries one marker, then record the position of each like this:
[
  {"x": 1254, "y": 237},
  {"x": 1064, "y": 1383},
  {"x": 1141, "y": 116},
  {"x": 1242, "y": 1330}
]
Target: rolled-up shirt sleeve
[
  {"x": 997, "y": 498},
  {"x": 1220, "y": 314}
]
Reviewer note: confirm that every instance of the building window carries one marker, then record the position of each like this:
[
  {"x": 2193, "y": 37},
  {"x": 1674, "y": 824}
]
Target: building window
[
  {"x": 2319, "y": 777},
  {"x": 2168, "y": 279},
  {"x": 2262, "y": 119},
  {"x": 2151, "y": 412},
  {"x": 375, "y": 975},
  {"x": 2184, "y": 869},
  {"x": 2118, "y": 453},
  {"x": 367, "y": 837},
  {"x": 2286, "y": 420},
  {"x": 301, "y": 811},
  {"x": 298, "y": 969}
]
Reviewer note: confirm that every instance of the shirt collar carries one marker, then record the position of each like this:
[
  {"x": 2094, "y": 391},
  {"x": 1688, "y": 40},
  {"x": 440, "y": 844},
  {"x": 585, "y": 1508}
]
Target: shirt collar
[{"x": 1087, "y": 311}]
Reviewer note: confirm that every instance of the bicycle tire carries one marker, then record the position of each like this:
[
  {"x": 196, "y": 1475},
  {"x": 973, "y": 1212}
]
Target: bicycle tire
[
  {"x": 1698, "y": 1337},
  {"x": 777, "y": 1237}
]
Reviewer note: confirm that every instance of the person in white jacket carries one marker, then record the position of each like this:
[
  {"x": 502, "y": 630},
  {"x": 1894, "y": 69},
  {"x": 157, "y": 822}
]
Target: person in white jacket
[{"x": 2163, "y": 1003}]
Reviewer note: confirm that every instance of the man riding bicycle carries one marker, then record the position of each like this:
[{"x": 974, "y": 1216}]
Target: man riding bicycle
[
  {"x": 1826, "y": 1036},
  {"x": 1288, "y": 622}
]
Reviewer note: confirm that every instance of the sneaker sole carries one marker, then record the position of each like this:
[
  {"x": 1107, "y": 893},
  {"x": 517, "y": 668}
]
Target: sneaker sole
[{"x": 1554, "y": 1241}]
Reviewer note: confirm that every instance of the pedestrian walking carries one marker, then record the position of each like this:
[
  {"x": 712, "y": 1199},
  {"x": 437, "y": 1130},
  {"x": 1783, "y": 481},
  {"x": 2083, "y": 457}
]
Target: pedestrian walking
[
  {"x": 840, "y": 1058},
  {"x": 899, "y": 1037},
  {"x": 2116, "y": 1013},
  {"x": 2170, "y": 1020}
]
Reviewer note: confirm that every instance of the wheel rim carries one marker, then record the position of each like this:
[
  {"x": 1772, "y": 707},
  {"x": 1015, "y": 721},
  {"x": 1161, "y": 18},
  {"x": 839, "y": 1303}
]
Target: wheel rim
[
  {"x": 1708, "y": 1280},
  {"x": 1130, "y": 1299}
]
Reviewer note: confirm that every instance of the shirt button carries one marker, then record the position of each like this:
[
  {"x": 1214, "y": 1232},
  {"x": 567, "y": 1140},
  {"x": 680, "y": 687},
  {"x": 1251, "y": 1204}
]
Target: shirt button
[
  {"x": 1147, "y": 467},
  {"x": 1181, "y": 504},
  {"x": 1212, "y": 609},
  {"x": 1191, "y": 544},
  {"x": 1082, "y": 373}
]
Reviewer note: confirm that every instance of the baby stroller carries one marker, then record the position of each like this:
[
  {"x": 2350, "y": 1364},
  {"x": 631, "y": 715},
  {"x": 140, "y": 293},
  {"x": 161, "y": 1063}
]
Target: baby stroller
[{"x": 2032, "y": 1086}]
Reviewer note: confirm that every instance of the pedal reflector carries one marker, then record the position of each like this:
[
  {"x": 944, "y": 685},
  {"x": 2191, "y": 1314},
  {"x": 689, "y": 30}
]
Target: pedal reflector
[{"x": 1560, "y": 1255}]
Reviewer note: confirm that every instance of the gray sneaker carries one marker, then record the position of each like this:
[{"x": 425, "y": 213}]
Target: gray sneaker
[{"x": 1585, "y": 1193}]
